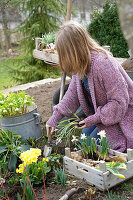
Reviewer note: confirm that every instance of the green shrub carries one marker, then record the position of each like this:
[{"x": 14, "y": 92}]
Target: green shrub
[
  {"x": 105, "y": 28},
  {"x": 11, "y": 145}
]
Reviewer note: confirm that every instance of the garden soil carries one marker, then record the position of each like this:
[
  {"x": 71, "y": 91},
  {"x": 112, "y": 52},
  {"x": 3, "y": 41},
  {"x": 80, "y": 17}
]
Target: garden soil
[{"x": 43, "y": 95}]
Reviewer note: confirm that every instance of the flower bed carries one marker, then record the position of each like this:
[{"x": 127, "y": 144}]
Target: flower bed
[{"x": 56, "y": 191}]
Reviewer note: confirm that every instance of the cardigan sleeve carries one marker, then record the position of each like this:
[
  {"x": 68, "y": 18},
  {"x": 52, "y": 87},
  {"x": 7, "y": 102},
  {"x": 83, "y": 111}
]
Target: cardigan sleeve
[
  {"x": 116, "y": 90},
  {"x": 69, "y": 103}
]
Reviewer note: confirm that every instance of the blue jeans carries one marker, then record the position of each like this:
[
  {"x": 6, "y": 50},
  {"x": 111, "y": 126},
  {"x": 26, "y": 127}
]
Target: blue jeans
[{"x": 92, "y": 131}]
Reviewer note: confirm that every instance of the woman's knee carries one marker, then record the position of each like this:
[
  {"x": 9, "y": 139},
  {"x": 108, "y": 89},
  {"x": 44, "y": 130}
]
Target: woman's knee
[{"x": 88, "y": 131}]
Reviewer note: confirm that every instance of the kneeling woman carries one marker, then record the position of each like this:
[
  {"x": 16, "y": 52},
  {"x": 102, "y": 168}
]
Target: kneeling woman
[{"x": 99, "y": 85}]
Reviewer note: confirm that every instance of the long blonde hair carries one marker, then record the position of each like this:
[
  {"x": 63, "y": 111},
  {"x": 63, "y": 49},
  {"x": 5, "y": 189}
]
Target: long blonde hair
[{"x": 74, "y": 47}]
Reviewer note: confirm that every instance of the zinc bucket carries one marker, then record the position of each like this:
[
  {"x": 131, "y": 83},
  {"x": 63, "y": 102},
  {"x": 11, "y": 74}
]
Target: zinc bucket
[{"x": 27, "y": 125}]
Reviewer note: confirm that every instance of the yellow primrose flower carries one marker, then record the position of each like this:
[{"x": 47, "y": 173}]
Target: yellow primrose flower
[
  {"x": 36, "y": 151},
  {"x": 45, "y": 159},
  {"x": 17, "y": 170},
  {"x": 21, "y": 168},
  {"x": 30, "y": 156},
  {"x": 38, "y": 168}
]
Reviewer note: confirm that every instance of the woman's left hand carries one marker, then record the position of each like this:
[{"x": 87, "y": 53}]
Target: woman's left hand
[{"x": 82, "y": 125}]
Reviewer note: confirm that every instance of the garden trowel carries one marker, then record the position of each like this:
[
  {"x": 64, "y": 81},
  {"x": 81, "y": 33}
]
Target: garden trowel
[{"x": 48, "y": 147}]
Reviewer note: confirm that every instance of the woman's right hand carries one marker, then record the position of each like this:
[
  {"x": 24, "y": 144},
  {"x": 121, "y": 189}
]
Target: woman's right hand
[{"x": 50, "y": 130}]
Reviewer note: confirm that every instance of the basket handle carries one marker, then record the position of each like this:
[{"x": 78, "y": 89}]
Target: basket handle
[{"x": 38, "y": 118}]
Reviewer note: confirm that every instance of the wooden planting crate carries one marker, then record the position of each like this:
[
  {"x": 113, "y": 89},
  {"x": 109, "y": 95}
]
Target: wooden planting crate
[
  {"x": 51, "y": 58},
  {"x": 102, "y": 178}
]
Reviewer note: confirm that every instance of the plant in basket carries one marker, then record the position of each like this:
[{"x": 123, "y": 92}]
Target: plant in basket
[
  {"x": 99, "y": 152},
  {"x": 90, "y": 150},
  {"x": 87, "y": 145},
  {"x": 18, "y": 114},
  {"x": 105, "y": 145},
  {"x": 48, "y": 43}
]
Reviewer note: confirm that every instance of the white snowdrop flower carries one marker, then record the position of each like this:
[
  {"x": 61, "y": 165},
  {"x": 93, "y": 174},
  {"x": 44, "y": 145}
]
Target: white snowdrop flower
[
  {"x": 102, "y": 134},
  {"x": 74, "y": 138},
  {"x": 83, "y": 136},
  {"x": 58, "y": 141}
]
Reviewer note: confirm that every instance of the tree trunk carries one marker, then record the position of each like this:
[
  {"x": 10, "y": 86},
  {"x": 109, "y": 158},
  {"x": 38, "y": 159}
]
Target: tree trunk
[
  {"x": 5, "y": 25},
  {"x": 125, "y": 9}
]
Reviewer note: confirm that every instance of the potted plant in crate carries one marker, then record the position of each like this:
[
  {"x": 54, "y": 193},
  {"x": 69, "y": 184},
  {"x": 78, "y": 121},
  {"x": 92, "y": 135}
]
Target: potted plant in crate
[
  {"x": 18, "y": 114},
  {"x": 48, "y": 43},
  {"x": 94, "y": 160},
  {"x": 45, "y": 48}
]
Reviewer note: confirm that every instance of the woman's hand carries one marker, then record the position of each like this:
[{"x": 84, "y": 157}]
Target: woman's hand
[
  {"x": 82, "y": 125},
  {"x": 50, "y": 130}
]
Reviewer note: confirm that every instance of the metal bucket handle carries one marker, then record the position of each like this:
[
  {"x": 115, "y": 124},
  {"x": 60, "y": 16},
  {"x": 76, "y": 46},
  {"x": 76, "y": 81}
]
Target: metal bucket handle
[{"x": 38, "y": 118}]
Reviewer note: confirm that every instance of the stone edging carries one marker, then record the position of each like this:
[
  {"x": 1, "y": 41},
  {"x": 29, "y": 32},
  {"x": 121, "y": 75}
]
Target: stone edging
[{"x": 31, "y": 85}]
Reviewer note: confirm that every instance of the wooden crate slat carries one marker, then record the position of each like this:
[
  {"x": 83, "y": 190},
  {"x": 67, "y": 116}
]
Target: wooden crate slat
[
  {"x": 82, "y": 171},
  {"x": 115, "y": 153},
  {"x": 82, "y": 165},
  {"x": 112, "y": 180},
  {"x": 48, "y": 57}
]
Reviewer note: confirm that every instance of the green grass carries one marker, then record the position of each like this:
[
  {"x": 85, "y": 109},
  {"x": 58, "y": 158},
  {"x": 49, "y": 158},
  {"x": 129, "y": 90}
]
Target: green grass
[
  {"x": 6, "y": 80},
  {"x": 6, "y": 77},
  {"x": 127, "y": 186},
  {"x": 115, "y": 196}
]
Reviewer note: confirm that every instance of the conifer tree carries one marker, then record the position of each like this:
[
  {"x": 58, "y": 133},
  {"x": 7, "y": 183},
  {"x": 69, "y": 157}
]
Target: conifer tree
[{"x": 40, "y": 17}]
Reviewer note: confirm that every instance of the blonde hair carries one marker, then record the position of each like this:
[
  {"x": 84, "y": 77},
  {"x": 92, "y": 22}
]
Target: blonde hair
[{"x": 74, "y": 47}]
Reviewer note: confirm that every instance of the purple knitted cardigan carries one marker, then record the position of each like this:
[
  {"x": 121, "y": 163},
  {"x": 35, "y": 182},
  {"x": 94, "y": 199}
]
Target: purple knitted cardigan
[{"x": 111, "y": 92}]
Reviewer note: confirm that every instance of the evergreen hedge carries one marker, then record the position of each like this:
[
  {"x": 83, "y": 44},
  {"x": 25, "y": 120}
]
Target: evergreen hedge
[{"x": 105, "y": 28}]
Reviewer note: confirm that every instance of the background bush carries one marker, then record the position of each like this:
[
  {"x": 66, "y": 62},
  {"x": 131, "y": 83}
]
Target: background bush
[
  {"x": 105, "y": 28},
  {"x": 41, "y": 17}
]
